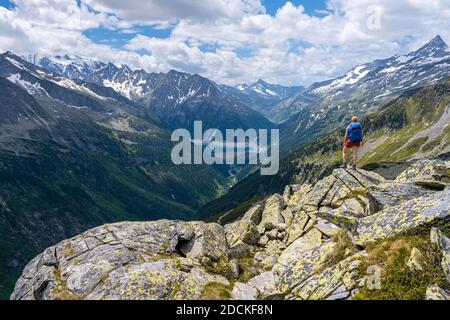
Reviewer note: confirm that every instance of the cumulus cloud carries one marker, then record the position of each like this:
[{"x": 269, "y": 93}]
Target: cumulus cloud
[
  {"x": 164, "y": 11},
  {"x": 230, "y": 41}
]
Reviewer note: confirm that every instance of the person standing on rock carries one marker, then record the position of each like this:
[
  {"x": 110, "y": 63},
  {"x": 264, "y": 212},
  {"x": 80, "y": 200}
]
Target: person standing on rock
[{"x": 353, "y": 140}]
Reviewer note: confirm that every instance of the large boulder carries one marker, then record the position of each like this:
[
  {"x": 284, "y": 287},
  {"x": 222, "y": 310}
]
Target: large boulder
[
  {"x": 265, "y": 285},
  {"x": 301, "y": 259},
  {"x": 404, "y": 216},
  {"x": 392, "y": 193},
  {"x": 433, "y": 174},
  {"x": 130, "y": 260},
  {"x": 272, "y": 213},
  {"x": 298, "y": 226},
  {"x": 243, "y": 231},
  {"x": 242, "y": 291},
  {"x": 335, "y": 282}
]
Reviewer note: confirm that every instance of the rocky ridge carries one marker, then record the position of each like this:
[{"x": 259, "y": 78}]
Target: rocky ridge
[{"x": 311, "y": 242}]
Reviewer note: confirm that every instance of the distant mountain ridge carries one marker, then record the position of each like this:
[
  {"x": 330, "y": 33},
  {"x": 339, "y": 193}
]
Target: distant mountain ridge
[
  {"x": 262, "y": 96},
  {"x": 177, "y": 98}
]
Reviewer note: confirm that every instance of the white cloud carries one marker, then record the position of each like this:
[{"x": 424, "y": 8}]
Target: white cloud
[
  {"x": 164, "y": 11},
  {"x": 290, "y": 47}
]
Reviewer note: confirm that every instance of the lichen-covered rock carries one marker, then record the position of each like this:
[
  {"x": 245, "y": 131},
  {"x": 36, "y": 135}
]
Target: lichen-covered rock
[
  {"x": 303, "y": 259},
  {"x": 312, "y": 200},
  {"x": 340, "y": 293},
  {"x": 392, "y": 193},
  {"x": 327, "y": 228},
  {"x": 240, "y": 250},
  {"x": 254, "y": 214},
  {"x": 340, "y": 217},
  {"x": 242, "y": 291},
  {"x": 265, "y": 259},
  {"x": 265, "y": 284},
  {"x": 414, "y": 262},
  {"x": 330, "y": 282},
  {"x": 243, "y": 231},
  {"x": 295, "y": 201},
  {"x": 130, "y": 260},
  {"x": 407, "y": 215},
  {"x": 433, "y": 174},
  {"x": 439, "y": 239},
  {"x": 298, "y": 226},
  {"x": 434, "y": 292},
  {"x": 271, "y": 216}
]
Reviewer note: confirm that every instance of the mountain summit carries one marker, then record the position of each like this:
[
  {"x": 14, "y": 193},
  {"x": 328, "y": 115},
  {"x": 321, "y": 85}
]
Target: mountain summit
[{"x": 436, "y": 45}]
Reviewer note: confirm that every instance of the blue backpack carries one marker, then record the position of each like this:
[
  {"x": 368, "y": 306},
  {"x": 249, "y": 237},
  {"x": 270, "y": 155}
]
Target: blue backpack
[{"x": 354, "y": 132}]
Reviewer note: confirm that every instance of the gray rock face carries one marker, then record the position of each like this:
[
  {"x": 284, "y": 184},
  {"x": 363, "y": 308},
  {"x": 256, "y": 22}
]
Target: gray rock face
[
  {"x": 433, "y": 174},
  {"x": 141, "y": 260},
  {"x": 434, "y": 292},
  {"x": 242, "y": 291},
  {"x": 404, "y": 216},
  {"x": 291, "y": 246}
]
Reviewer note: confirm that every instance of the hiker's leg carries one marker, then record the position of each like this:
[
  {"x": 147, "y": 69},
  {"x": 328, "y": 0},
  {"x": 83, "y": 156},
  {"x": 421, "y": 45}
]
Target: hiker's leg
[
  {"x": 344, "y": 154},
  {"x": 355, "y": 155}
]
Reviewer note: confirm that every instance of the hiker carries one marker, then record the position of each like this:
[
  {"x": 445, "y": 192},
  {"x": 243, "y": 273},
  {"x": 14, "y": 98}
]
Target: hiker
[{"x": 353, "y": 140}]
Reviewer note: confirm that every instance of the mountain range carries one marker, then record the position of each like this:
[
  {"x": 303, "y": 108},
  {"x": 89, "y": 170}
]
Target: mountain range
[
  {"x": 262, "y": 96},
  {"x": 85, "y": 142},
  {"x": 177, "y": 98},
  {"x": 364, "y": 89}
]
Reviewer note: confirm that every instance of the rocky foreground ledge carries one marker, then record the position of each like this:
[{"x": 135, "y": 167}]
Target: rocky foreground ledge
[{"x": 312, "y": 242}]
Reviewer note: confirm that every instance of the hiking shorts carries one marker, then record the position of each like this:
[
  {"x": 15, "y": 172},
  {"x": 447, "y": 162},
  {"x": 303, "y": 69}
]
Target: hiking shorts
[{"x": 350, "y": 144}]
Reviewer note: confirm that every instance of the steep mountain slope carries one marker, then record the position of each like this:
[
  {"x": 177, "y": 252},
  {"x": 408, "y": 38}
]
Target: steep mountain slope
[
  {"x": 177, "y": 98},
  {"x": 364, "y": 89},
  {"x": 413, "y": 126},
  {"x": 262, "y": 96},
  {"x": 313, "y": 242},
  {"x": 74, "y": 155}
]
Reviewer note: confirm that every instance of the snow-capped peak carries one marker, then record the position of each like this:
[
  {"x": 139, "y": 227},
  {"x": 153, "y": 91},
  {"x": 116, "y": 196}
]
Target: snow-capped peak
[
  {"x": 77, "y": 67},
  {"x": 435, "y": 47},
  {"x": 267, "y": 90}
]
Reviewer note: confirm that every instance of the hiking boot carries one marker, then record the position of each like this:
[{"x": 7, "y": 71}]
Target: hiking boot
[
  {"x": 354, "y": 167},
  {"x": 343, "y": 166}
]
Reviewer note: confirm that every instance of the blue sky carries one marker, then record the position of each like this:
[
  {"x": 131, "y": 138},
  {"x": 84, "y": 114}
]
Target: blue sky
[
  {"x": 117, "y": 38},
  {"x": 228, "y": 41},
  {"x": 6, "y": 4},
  {"x": 311, "y": 6}
]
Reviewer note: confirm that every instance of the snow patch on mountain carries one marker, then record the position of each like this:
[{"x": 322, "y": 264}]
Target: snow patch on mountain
[{"x": 31, "y": 88}]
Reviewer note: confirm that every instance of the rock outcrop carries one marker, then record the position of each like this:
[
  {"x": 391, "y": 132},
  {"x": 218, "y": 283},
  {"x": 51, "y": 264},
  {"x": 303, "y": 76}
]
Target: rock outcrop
[{"x": 308, "y": 243}]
